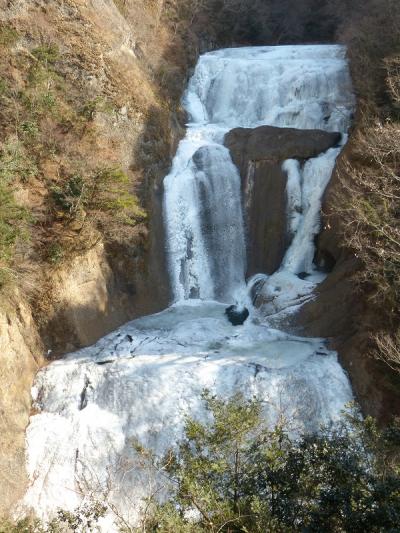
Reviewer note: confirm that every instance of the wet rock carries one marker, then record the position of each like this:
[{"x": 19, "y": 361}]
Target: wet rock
[
  {"x": 303, "y": 275},
  {"x": 277, "y": 144},
  {"x": 237, "y": 316}
]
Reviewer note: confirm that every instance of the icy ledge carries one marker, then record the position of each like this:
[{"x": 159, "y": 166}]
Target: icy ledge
[{"x": 142, "y": 380}]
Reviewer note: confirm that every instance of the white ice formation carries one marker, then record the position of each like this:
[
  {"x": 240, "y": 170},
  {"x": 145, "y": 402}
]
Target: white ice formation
[{"x": 305, "y": 87}]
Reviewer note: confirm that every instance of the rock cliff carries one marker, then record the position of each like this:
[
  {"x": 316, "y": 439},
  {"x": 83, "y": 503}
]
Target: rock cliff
[
  {"x": 259, "y": 154},
  {"x": 337, "y": 312},
  {"x": 20, "y": 357}
]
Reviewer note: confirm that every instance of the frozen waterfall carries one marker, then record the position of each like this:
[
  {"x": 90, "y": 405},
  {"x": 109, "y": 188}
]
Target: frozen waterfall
[
  {"x": 140, "y": 382},
  {"x": 305, "y": 87}
]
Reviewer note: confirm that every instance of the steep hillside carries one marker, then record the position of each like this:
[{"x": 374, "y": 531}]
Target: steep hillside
[
  {"x": 89, "y": 115},
  {"x": 89, "y": 122}
]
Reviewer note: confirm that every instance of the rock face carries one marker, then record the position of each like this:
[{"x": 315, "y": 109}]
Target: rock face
[
  {"x": 20, "y": 358},
  {"x": 259, "y": 154},
  {"x": 336, "y": 313},
  {"x": 97, "y": 292}
]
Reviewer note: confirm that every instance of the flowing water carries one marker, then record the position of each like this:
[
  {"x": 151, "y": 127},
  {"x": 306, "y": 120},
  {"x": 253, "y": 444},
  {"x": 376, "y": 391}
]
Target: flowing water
[{"x": 139, "y": 382}]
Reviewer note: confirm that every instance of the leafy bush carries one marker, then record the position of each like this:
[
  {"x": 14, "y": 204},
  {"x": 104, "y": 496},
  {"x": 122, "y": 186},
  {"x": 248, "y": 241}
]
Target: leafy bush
[
  {"x": 106, "y": 190},
  {"x": 3, "y": 87},
  {"x": 233, "y": 474},
  {"x": 55, "y": 252},
  {"x": 47, "y": 54},
  {"x": 90, "y": 107},
  {"x": 82, "y": 520},
  {"x": 13, "y": 220},
  {"x": 110, "y": 192},
  {"x": 8, "y": 36},
  {"x": 70, "y": 195},
  {"x": 30, "y": 129},
  {"x": 15, "y": 163}
]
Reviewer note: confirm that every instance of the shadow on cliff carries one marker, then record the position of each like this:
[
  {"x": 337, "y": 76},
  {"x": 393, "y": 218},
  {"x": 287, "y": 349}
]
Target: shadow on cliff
[{"x": 119, "y": 295}]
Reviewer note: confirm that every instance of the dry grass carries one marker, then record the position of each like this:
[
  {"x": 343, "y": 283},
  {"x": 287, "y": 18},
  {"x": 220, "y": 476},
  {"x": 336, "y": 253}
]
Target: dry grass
[
  {"x": 388, "y": 349},
  {"x": 70, "y": 162},
  {"x": 370, "y": 209},
  {"x": 370, "y": 197}
]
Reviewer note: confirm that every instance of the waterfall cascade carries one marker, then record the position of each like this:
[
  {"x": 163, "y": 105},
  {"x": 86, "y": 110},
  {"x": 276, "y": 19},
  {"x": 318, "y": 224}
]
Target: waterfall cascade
[
  {"x": 140, "y": 381},
  {"x": 305, "y": 87}
]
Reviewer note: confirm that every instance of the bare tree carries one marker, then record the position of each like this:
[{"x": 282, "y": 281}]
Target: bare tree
[{"x": 388, "y": 349}]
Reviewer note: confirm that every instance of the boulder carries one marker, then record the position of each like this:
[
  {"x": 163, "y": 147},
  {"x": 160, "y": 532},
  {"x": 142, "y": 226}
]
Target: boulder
[{"x": 237, "y": 316}]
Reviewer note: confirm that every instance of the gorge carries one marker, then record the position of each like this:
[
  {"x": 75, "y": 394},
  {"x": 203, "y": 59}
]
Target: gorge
[{"x": 266, "y": 125}]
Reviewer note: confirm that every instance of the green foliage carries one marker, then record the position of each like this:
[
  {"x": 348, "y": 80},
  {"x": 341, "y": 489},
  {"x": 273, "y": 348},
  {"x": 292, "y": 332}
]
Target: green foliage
[
  {"x": 38, "y": 74},
  {"x": 88, "y": 110},
  {"x": 39, "y": 100},
  {"x": 55, "y": 253},
  {"x": 82, "y": 520},
  {"x": 232, "y": 474},
  {"x": 48, "y": 100},
  {"x": 106, "y": 190},
  {"x": 15, "y": 163},
  {"x": 30, "y": 129},
  {"x": 90, "y": 107},
  {"x": 110, "y": 192},
  {"x": 8, "y": 36},
  {"x": 3, "y": 87},
  {"x": 40, "y": 97},
  {"x": 70, "y": 195},
  {"x": 22, "y": 526},
  {"x": 47, "y": 54},
  {"x": 14, "y": 219}
]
